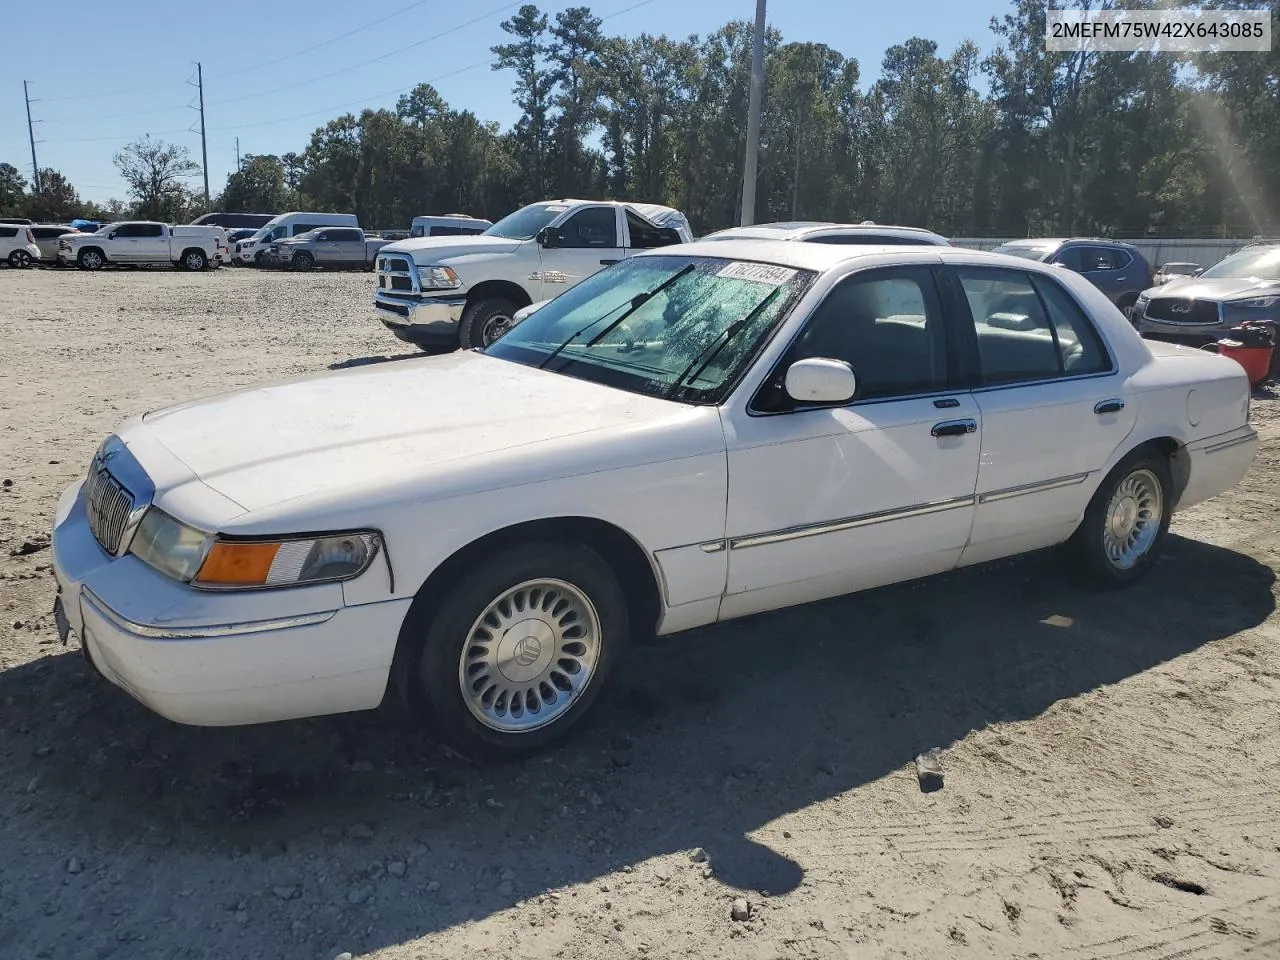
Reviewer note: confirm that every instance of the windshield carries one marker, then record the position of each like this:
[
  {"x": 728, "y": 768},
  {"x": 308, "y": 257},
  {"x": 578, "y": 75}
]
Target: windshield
[
  {"x": 525, "y": 223},
  {"x": 1024, "y": 251},
  {"x": 678, "y": 327},
  {"x": 1262, "y": 263}
]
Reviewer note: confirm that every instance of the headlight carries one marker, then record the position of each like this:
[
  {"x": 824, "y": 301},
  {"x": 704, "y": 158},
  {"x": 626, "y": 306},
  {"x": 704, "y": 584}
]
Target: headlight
[
  {"x": 1257, "y": 303},
  {"x": 169, "y": 545},
  {"x": 438, "y": 278},
  {"x": 240, "y": 564}
]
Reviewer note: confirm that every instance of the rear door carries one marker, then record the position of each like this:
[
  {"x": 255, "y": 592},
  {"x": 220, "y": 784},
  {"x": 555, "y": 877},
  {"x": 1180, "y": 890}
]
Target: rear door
[
  {"x": 1052, "y": 403},
  {"x": 153, "y": 244},
  {"x": 348, "y": 245},
  {"x": 1110, "y": 269}
]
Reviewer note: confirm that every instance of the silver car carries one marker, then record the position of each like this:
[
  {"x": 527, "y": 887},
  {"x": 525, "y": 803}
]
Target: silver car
[
  {"x": 1242, "y": 287},
  {"x": 46, "y": 236}
]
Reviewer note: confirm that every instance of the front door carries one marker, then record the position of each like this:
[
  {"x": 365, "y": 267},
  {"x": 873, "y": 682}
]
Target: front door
[
  {"x": 1051, "y": 400},
  {"x": 827, "y": 500},
  {"x": 589, "y": 241}
]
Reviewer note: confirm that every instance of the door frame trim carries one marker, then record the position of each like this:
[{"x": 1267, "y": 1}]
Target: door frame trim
[
  {"x": 848, "y": 523},
  {"x": 1038, "y": 486}
]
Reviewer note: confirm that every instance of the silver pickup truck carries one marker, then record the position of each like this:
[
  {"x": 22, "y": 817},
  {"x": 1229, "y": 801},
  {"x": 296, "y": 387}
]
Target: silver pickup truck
[{"x": 330, "y": 247}]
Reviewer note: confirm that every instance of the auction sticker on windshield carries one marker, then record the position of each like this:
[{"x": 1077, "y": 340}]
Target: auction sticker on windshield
[{"x": 757, "y": 273}]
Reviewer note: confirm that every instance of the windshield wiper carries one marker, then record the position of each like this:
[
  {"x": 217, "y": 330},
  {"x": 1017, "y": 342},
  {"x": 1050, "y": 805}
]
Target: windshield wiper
[
  {"x": 636, "y": 302},
  {"x": 717, "y": 345}
]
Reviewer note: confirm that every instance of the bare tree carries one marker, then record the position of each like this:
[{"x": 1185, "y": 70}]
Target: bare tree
[{"x": 154, "y": 170}]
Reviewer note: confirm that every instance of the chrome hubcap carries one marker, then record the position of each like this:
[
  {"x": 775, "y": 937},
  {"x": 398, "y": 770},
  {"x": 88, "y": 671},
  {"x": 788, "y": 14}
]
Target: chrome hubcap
[
  {"x": 495, "y": 327},
  {"x": 529, "y": 656},
  {"x": 1133, "y": 519}
]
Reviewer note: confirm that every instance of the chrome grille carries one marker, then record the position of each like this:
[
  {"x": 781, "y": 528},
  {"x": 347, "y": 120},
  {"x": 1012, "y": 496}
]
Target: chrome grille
[
  {"x": 107, "y": 505},
  {"x": 397, "y": 274},
  {"x": 1182, "y": 310}
]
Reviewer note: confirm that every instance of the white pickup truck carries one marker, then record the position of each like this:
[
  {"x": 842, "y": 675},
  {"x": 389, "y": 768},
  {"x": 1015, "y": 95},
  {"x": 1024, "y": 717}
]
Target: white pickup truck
[
  {"x": 446, "y": 292},
  {"x": 142, "y": 243}
]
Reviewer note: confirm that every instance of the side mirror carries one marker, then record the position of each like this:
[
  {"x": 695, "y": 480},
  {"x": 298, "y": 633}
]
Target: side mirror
[
  {"x": 820, "y": 380},
  {"x": 550, "y": 237},
  {"x": 111, "y": 235},
  {"x": 525, "y": 312}
]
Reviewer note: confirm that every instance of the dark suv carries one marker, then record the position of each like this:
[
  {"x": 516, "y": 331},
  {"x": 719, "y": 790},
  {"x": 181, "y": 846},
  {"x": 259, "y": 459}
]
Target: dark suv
[{"x": 1117, "y": 269}]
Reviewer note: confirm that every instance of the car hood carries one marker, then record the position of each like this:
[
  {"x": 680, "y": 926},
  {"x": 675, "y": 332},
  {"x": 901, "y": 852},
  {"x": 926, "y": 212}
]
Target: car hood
[
  {"x": 1219, "y": 288},
  {"x": 428, "y": 250},
  {"x": 370, "y": 429}
]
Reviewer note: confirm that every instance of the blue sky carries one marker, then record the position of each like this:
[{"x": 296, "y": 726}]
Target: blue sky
[{"x": 271, "y": 76}]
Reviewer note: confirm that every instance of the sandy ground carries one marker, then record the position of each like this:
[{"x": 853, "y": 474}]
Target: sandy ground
[{"x": 1112, "y": 760}]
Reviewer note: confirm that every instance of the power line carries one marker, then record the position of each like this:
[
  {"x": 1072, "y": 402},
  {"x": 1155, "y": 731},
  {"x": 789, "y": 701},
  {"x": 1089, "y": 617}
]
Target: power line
[
  {"x": 364, "y": 63},
  {"x": 108, "y": 93},
  {"x": 324, "y": 43},
  {"x": 127, "y": 136},
  {"x": 400, "y": 90},
  {"x": 111, "y": 116}
]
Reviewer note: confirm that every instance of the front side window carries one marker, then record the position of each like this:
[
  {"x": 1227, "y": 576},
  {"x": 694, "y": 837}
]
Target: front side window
[
  {"x": 887, "y": 325},
  {"x": 127, "y": 230},
  {"x": 1027, "y": 329},
  {"x": 593, "y": 227},
  {"x": 683, "y": 328}
]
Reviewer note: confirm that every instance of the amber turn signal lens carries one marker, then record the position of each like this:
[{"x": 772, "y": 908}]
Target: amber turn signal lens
[{"x": 237, "y": 564}]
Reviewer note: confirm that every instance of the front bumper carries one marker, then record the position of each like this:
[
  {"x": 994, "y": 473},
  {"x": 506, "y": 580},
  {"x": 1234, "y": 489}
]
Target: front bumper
[
  {"x": 1177, "y": 331},
  {"x": 426, "y": 321},
  {"x": 218, "y": 659}
]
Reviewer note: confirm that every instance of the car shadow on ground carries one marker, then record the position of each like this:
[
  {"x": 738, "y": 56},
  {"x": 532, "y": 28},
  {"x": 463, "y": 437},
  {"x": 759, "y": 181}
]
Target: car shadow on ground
[
  {"x": 705, "y": 739},
  {"x": 369, "y": 361}
]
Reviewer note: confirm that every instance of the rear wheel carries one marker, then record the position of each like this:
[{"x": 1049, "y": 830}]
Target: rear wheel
[
  {"x": 485, "y": 321},
  {"x": 518, "y": 651},
  {"x": 193, "y": 260},
  {"x": 19, "y": 259},
  {"x": 1127, "y": 520}
]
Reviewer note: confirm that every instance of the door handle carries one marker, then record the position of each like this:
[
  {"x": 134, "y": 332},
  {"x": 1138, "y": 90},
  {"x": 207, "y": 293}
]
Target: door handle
[
  {"x": 954, "y": 428},
  {"x": 1108, "y": 406},
  {"x": 607, "y": 263},
  {"x": 947, "y": 403}
]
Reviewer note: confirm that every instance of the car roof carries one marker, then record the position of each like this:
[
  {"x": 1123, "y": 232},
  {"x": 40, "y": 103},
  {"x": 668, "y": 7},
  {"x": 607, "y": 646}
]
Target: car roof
[
  {"x": 798, "y": 230},
  {"x": 826, "y": 256}
]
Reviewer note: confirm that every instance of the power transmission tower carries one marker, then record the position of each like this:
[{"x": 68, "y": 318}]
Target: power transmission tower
[
  {"x": 204, "y": 148},
  {"x": 748, "y": 216},
  {"x": 35, "y": 167}
]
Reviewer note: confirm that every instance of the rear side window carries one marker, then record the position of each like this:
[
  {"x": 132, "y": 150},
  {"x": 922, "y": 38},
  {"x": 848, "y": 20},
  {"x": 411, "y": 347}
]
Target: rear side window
[
  {"x": 1104, "y": 258},
  {"x": 1027, "y": 328},
  {"x": 47, "y": 233},
  {"x": 645, "y": 235},
  {"x": 8, "y": 232},
  {"x": 151, "y": 230}
]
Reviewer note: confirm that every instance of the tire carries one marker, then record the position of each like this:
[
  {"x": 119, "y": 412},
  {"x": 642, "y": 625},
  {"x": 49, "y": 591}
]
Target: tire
[
  {"x": 484, "y": 321},
  {"x": 1126, "y": 303},
  {"x": 19, "y": 259},
  {"x": 1140, "y": 483},
  {"x": 303, "y": 261},
  {"x": 570, "y": 600},
  {"x": 90, "y": 259},
  {"x": 193, "y": 260}
]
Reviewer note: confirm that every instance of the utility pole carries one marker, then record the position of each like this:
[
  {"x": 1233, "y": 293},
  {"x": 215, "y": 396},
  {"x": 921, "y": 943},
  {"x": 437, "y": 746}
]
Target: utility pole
[
  {"x": 753, "y": 121},
  {"x": 204, "y": 148},
  {"x": 237, "y": 154},
  {"x": 35, "y": 167}
]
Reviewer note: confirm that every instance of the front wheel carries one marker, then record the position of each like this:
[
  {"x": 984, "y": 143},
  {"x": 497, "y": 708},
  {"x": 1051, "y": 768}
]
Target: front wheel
[
  {"x": 519, "y": 650},
  {"x": 485, "y": 321},
  {"x": 1127, "y": 520},
  {"x": 90, "y": 260},
  {"x": 19, "y": 259},
  {"x": 303, "y": 261}
]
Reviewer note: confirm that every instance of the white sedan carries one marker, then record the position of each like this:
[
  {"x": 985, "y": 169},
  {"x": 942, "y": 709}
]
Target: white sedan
[{"x": 692, "y": 435}]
